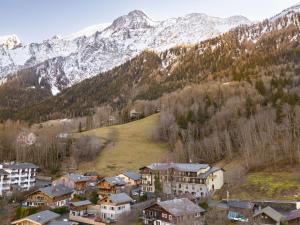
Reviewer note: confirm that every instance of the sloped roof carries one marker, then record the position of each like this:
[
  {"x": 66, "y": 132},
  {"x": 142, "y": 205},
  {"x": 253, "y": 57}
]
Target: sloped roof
[
  {"x": 41, "y": 217},
  {"x": 184, "y": 167},
  {"x": 120, "y": 198},
  {"x": 272, "y": 213},
  {"x": 210, "y": 171},
  {"x": 3, "y": 172},
  {"x": 17, "y": 165},
  {"x": 180, "y": 207},
  {"x": 62, "y": 223},
  {"x": 81, "y": 203},
  {"x": 55, "y": 191},
  {"x": 132, "y": 175},
  {"x": 295, "y": 214},
  {"x": 240, "y": 204},
  {"x": 115, "y": 181},
  {"x": 77, "y": 177}
]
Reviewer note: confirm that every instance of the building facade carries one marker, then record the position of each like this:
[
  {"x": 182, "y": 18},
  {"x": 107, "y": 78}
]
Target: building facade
[
  {"x": 176, "y": 211},
  {"x": 17, "y": 175},
  {"x": 52, "y": 196},
  {"x": 114, "y": 205},
  {"x": 200, "y": 180},
  {"x": 110, "y": 185}
]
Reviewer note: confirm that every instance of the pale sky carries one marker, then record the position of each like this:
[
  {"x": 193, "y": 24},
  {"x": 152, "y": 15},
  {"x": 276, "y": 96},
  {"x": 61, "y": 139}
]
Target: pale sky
[{"x": 36, "y": 20}]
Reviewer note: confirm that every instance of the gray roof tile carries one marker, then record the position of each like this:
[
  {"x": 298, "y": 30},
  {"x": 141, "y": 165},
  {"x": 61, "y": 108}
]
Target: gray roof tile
[
  {"x": 271, "y": 213},
  {"x": 17, "y": 165},
  {"x": 55, "y": 191},
  {"x": 120, "y": 198},
  {"x": 132, "y": 175},
  {"x": 115, "y": 181},
  {"x": 81, "y": 203},
  {"x": 184, "y": 167},
  {"x": 180, "y": 207},
  {"x": 43, "y": 217}
]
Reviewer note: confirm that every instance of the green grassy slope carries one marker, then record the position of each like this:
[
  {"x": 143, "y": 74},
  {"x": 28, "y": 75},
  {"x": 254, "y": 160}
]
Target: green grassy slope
[{"x": 132, "y": 149}]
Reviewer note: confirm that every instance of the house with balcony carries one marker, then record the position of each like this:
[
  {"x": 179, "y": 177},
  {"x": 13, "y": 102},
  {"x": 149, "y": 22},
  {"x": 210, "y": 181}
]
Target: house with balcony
[
  {"x": 110, "y": 185},
  {"x": 200, "y": 180},
  {"x": 171, "y": 212},
  {"x": 114, "y": 205},
  {"x": 53, "y": 196},
  {"x": 15, "y": 175}
]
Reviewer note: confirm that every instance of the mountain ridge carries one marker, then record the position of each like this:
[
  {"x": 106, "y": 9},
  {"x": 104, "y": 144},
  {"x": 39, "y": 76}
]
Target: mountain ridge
[{"x": 126, "y": 37}]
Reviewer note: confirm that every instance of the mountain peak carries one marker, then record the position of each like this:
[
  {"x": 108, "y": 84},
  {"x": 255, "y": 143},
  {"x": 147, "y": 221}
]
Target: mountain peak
[
  {"x": 133, "y": 20},
  {"x": 10, "y": 41},
  {"x": 138, "y": 13}
]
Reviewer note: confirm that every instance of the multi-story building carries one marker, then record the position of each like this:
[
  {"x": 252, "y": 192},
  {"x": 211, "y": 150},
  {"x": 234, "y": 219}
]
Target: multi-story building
[
  {"x": 200, "y": 180},
  {"x": 114, "y": 205},
  {"x": 176, "y": 211},
  {"x": 17, "y": 175}
]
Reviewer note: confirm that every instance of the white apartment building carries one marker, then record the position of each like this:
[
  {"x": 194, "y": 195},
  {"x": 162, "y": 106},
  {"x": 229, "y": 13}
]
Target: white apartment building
[
  {"x": 200, "y": 180},
  {"x": 114, "y": 205},
  {"x": 17, "y": 175}
]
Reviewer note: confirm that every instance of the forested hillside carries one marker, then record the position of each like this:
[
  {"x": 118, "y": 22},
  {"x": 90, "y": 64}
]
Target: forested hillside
[{"x": 268, "y": 50}]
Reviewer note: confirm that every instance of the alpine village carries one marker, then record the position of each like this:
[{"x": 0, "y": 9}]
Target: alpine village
[{"x": 191, "y": 120}]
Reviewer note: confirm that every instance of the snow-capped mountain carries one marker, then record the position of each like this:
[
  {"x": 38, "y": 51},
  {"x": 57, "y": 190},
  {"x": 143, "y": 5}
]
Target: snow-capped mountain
[
  {"x": 289, "y": 11},
  {"x": 10, "y": 41},
  {"x": 62, "y": 62}
]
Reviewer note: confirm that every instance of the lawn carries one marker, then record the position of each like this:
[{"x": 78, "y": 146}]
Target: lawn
[
  {"x": 133, "y": 148},
  {"x": 283, "y": 184},
  {"x": 278, "y": 185}
]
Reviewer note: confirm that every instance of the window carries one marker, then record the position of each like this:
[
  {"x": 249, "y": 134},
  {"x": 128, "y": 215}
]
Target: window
[
  {"x": 112, "y": 208},
  {"x": 164, "y": 215},
  {"x": 179, "y": 185},
  {"x": 170, "y": 217}
]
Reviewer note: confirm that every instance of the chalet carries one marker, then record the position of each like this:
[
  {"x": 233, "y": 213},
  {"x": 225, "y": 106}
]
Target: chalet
[
  {"x": 43, "y": 218},
  {"x": 110, "y": 185},
  {"x": 268, "y": 216},
  {"x": 52, "y": 196},
  {"x": 293, "y": 217},
  {"x": 114, "y": 205},
  {"x": 174, "y": 211},
  {"x": 74, "y": 181},
  {"x": 131, "y": 178},
  {"x": 200, "y": 180},
  {"x": 20, "y": 175},
  {"x": 79, "y": 208},
  {"x": 85, "y": 212}
]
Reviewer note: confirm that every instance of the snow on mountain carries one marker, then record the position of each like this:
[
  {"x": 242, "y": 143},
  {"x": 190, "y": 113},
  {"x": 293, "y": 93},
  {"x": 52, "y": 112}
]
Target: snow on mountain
[
  {"x": 10, "y": 41},
  {"x": 62, "y": 62},
  {"x": 289, "y": 11},
  {"x": 88, "y": 31}
]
